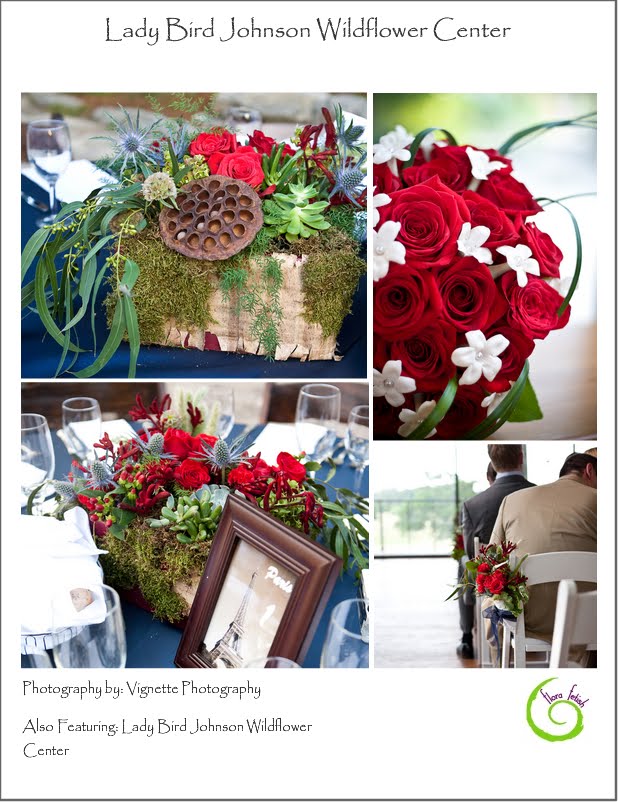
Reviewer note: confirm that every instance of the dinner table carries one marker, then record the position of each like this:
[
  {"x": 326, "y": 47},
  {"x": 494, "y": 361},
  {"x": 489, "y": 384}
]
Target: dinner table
[
  {"x": 152, "y": 643},
  {"x": 41, "y": 353}
]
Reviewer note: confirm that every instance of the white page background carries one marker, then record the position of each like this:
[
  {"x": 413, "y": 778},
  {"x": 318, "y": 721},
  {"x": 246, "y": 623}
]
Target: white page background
[{"x": 377, "y": 734}]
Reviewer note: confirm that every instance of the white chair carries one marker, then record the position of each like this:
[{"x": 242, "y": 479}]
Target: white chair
[
  {"x": 484, "y": 655},
  {"x": 575, "y": 623},
  {"x": 580, "y": 566}
]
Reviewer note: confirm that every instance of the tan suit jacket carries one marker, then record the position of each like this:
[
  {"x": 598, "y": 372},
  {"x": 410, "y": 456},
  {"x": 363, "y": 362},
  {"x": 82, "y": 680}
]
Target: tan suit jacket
[{"x": 561, "y": 516}]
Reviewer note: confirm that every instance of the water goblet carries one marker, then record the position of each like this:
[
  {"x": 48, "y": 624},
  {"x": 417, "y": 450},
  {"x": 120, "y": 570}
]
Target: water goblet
[
  {"x": 37, "y": 459},
  {"x": 347, "y": 640},
  {"x": 48, "y": 145},
  {"x": 317, "y": 416},
  {"x": 357, "y": 442},
  {"x": 81, "y": 424}
]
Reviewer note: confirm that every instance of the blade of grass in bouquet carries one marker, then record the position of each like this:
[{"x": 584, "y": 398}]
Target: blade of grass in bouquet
[
  {"x": 116, "y": 333},
  {"x": 27, "y": 294},
  {"x": 418, "y": 140},
  {"x": 87, "y": 280},
  {"x": 68, "y": 314},
  {"x": 501, "y": 413},
  {"x": 542, "y": 127},
  {"x": 133, "y": 332},
  {"x": 438, "y": 413},
  {"x": 578, "y": 253},
  {"x": 43, "y": 311},
  {"x": 33, "y": 246}
]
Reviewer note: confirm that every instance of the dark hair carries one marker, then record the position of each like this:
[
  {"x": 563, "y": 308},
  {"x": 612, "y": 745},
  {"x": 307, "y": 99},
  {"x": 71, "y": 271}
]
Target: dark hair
[
  {"x": 505, "y": 457},
  {"x": 576, "y": 463},
  {"x": 491, "y": 473}
]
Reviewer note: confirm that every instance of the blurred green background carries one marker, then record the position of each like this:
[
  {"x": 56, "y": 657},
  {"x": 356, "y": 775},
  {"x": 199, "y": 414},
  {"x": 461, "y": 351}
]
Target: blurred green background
[{"x": 485, "y": 120}]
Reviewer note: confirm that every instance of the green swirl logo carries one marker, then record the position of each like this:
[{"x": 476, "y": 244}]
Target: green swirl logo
[{"x": 549, "y": 736}]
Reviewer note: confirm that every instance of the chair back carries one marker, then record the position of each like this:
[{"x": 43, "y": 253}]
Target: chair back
[
  {"x": 575, "y": 623},
  {"x": 558, "y": 565}
]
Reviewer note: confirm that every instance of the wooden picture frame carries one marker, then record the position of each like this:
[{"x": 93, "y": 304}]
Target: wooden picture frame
[{"x": 264, "y": 585}]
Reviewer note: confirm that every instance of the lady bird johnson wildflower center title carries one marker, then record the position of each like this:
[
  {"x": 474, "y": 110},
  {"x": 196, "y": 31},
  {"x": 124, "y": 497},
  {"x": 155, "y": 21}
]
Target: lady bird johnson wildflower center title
[{"x": 446, "y": 29}]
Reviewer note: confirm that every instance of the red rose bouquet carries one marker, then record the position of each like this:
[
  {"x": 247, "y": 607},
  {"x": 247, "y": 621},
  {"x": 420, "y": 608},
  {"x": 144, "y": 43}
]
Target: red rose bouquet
[
  {"x": 155, "y": 500},
  {"x": 463, "y": 286}
]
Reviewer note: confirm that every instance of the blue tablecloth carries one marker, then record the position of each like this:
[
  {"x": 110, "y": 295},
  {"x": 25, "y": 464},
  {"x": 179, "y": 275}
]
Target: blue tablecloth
[
  {"x": 40, "y": 353},
  {"x": 153, "y": 644}
]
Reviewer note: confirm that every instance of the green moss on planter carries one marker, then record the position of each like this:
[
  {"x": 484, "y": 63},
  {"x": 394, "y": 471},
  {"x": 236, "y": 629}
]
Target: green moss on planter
[
  {"x": 153, "y": 561},
  {"x": 330, "y": 277}
]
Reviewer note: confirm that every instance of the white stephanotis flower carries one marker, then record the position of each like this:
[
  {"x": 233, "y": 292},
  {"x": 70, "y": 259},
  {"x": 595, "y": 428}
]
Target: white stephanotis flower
[
  {"x": 480, "y": 357},
  {"x": 390, "y": 384},
  {"x": 411, "y": 419},
  {"x": 470, "y": 241},
  {"x": 518, "y": 259},
  {"x": 386, "y": 249},
  {"x": 381, "y": 199},
  {"x": 392, "y": 147},
  {"x": 428, "y": 143},
  {"x": 490, "y": 402},
  {"x": 482, "y": 167}
]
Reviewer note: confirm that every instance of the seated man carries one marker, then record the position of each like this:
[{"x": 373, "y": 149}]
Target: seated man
[
  {"x": 561, "y": 516},
  {"x": 478, "y": 515}
]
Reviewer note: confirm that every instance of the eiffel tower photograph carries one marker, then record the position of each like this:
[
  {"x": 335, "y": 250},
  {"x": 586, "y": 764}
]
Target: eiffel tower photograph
[{"x": 248, "y": 611}]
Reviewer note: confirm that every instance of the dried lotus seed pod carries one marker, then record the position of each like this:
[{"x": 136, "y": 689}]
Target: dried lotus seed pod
[{"x": 216, "y": 217}]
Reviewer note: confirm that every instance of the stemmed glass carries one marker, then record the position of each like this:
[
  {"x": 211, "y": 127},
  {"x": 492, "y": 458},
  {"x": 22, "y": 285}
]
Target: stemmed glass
[
  {"x": 347, "y": 640},
  {"x": 49, "y": 150},
  {"x": 220, "y": 401},
  {"x": 271, "y": 662},
  {"x": 243, "y": 119},
  {"x": 37, "y": 458},
  {"x": 101, "y": 644},
  {"x": 357, "y": 442},
  {"x": 317, "y": 416},
  {"x": 81, "y": 424}
]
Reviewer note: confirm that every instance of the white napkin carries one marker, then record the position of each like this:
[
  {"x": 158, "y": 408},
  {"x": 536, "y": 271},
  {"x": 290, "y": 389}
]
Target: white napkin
[
  {"x": 77, "y": 181},
  {"x": 118, "y": 429},
  {"x": 57, "y": 557},
  {"x": 273, "y": 439}
]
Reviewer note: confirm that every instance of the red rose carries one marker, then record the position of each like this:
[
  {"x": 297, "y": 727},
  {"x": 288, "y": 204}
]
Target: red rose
[
  {"x": 178, "y": 442},
  {"x": 264, "y": 144},
  {"x": 241, "y": 475},
  {"x": 291, "y": 467},
  {"x": 496, "y": 583},
  {"x": 480, "y": 583},
  {"x": 544, "y": 249},
  {"x": 508, "y": 194},
  {"x": 243, "y": 164},
  {"x": 426, "y": 356},
  {"x": 484, "y": 568},
  {"x": 261, "y": 469},
  {"x": 485, "y": 213},
  {"x": 513, "y": 357},
  {"x": 431, "y": 217},
  {"x": 191, "y": 475},
  {"x": 213, "y": 142},
  {"x": 404, "y": 301},
  {"x": 533, "y": 308},
  {"x": 451, "y": 164},
  {"x": 468, "y": 293},
  {"x": 385, "y": 180},
  {"x": 385, "y": 420},
  {"x": 464, "y": 413}
]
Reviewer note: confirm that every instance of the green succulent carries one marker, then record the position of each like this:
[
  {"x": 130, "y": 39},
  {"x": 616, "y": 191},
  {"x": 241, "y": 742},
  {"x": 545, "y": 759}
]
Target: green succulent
[
  {"x": 193, "y": 516},
  {"x": 292, "y": 214}
]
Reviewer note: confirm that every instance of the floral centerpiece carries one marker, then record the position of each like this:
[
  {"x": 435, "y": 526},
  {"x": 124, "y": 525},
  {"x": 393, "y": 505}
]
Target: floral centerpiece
[
  {"x": 458, "y": 550},
  {"x": 465, "y": 282},
  {"x": 491, "y": 576},
  {"x": 155, "y": 501},
  {"x": 212, "y": 240}
]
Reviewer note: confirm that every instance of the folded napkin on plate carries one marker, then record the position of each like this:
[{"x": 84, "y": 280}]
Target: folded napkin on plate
[
  {"x": 117, "y": 429},
  {"x": 57, "y": 557},
  {"x": 273, "y": 439},
  {"x": 77, "y": 181}
]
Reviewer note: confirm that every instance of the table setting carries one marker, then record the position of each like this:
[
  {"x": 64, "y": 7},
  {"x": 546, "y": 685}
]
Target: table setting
[
  {"x": 318, "y": 522},
  {"x": 104, "y": 245}
]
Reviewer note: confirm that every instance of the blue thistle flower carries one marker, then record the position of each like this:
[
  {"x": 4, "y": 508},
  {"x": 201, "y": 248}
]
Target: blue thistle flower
[
  {"x": 347, "y": 137},
  {"x": 349, "y": 180},
  {"x": 131, "y": 142},
  {"x": 153, "y": 445},
  {"x": 102, "y": 476},
  {"x": 65, "y": 490},
  {"x": 225, "y": 455}
]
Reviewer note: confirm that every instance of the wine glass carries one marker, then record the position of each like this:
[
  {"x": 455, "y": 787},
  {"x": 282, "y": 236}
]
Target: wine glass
[
  {"x": 49, "y": 150},
  {"x": 81, "y": 424},
  {"x": 220, "y": 410},
  {"x": 317, "y": 416},
  {"x": 37, "y": 458},
  {"x": 357, "y": 442},
  {"x": 347, "y": 639},
  {"x": 271, "y": 662},
  {"x": 98, "y": 644}
]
